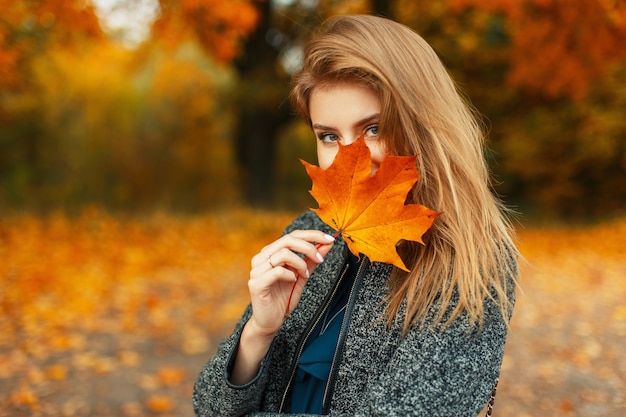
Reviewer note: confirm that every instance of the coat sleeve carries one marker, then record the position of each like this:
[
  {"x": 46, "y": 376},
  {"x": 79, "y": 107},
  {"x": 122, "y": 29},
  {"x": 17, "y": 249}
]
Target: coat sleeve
[{"x": 214, "y": 395}]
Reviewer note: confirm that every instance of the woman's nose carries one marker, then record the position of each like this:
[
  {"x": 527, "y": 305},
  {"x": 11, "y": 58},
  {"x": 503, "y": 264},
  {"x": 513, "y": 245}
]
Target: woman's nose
[{"x": 350, "y": 139}]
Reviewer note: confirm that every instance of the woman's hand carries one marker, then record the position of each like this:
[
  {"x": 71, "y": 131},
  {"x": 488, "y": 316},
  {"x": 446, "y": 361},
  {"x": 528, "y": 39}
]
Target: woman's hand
[
  {"x": 275, "y": 271},
  {"x": 277, "y": 279}
]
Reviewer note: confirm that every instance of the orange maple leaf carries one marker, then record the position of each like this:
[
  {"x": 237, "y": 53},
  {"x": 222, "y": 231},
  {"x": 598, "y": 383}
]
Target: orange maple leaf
[{"x": 369, "y": 210}]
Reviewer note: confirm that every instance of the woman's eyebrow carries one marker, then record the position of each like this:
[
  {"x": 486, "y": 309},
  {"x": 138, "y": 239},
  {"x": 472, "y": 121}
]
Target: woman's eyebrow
[
  {"x": 361, "y": 122},
  {"x": 366, "y": 120},
  {"x": 321, "y": 127}
]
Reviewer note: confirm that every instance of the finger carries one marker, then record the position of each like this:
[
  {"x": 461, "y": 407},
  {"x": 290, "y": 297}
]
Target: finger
[
  {"x": 287, "y": 259},
  {"x": 299, "y": 241},
  {"x": 313, "y": 236},
  {"x": 317, "y": 239},
  {"x": 263, "y": 281}
]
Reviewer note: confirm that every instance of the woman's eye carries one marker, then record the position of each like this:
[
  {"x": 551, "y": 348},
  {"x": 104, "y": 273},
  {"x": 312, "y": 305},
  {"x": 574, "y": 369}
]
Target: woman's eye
[
  {"x": 328, "y": 137},
  {"x": 371, "y": 131}
]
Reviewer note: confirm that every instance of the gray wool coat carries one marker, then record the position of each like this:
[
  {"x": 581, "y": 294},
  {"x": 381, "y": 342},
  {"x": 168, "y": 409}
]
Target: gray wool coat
[{"x": 429, "y": 372}]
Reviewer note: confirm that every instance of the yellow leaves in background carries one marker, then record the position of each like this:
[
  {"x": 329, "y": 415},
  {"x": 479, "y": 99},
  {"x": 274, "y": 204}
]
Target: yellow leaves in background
[
  {"x": 218, "y": 25},
  {"x": 103, "y": 315},
  {"x": 56, "y": 372},
  {"x": 171, "y": 375},
  {"x": 564, "y": 356},
  {"x": 580, "y": 40},
  {"x": 99, "y": 303},
  {"x": 136, "y": 130},
  {"x": 597, "y": 254},
  {"x": 29, "y": 27},
  {"x": 24, "y": 396},
  {"x": 168, "y": 376},
  {"x": 159, "y": 404}
]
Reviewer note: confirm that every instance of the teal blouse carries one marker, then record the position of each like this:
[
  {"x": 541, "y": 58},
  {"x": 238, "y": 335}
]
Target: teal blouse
[{"x": 316, "y": 359}]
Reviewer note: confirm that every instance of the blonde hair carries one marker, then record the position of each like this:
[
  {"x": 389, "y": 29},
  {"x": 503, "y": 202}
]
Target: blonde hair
[{"x": 469, "y": 251}]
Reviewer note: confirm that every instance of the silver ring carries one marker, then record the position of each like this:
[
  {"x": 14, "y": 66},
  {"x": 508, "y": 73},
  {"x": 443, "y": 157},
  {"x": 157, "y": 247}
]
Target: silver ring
[{"x": 269, "y": 260}]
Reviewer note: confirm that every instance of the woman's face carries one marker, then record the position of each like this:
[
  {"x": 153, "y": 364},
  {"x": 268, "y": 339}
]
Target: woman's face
[{"x": 342, "y": 113}]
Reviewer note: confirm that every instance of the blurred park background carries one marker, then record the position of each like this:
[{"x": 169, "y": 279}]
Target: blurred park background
[{"x": 147, "y": 151}]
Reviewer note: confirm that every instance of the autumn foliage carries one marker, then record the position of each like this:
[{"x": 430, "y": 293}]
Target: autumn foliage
[
  {"x": 106, "y": 315},
  {"x": 29, "y": 27},
  {"x": 219, "y": 26},
  {"x": 127, "y": 308},
  {"x": 549, "y": 76},
  {"x": 84, "y": 120},
  {"x": 103, "y": 315},
  {"x": 551, "y": 52}
]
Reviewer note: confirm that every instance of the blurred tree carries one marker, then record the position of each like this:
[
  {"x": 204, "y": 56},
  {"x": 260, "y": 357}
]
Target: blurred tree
[
  {"x": 86, "y": 121},
  {"x": 557, "y": 48},
  {"x": 558, "y": 129},
  {"x": 29, "y": 27},
  {"x": 219, "y": 26},
  {"x": 29, "y": 30},
  {"x": 263, "y": 68},
  {"x": 552, "y": 93},
  {"x": 549, "y": 76},
  {"x": 566, "y": 158},
  {"x": 262, "y": 108}
]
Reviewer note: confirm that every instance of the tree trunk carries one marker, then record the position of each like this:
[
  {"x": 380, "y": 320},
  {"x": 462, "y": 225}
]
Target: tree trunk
[
  {"x": 263, "y": 110},
  {"x": 381, "y": 7}
]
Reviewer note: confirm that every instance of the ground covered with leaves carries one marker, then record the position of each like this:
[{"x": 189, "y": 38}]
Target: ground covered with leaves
[{"x": 111, "y": 316}]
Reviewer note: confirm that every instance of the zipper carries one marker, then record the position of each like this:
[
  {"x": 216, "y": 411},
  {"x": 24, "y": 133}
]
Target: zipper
[
  {"x": 332, "y": 375},
  {"x": 308, "y": 333}
]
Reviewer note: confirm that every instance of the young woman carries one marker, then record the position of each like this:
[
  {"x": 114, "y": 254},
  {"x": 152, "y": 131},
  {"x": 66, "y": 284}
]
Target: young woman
[{"x": 365, "y": 338}]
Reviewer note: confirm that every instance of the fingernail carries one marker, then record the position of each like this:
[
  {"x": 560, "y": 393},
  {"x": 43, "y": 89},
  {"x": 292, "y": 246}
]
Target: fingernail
[
  {"x": 329, "y": 238},
  {"x": 307, "y": 273},
  {"x": 319, "y": 257}
]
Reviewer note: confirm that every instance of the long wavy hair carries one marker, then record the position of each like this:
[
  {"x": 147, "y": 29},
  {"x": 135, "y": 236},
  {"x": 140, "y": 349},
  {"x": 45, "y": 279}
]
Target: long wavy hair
[{"x": 469, "y": 251}]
